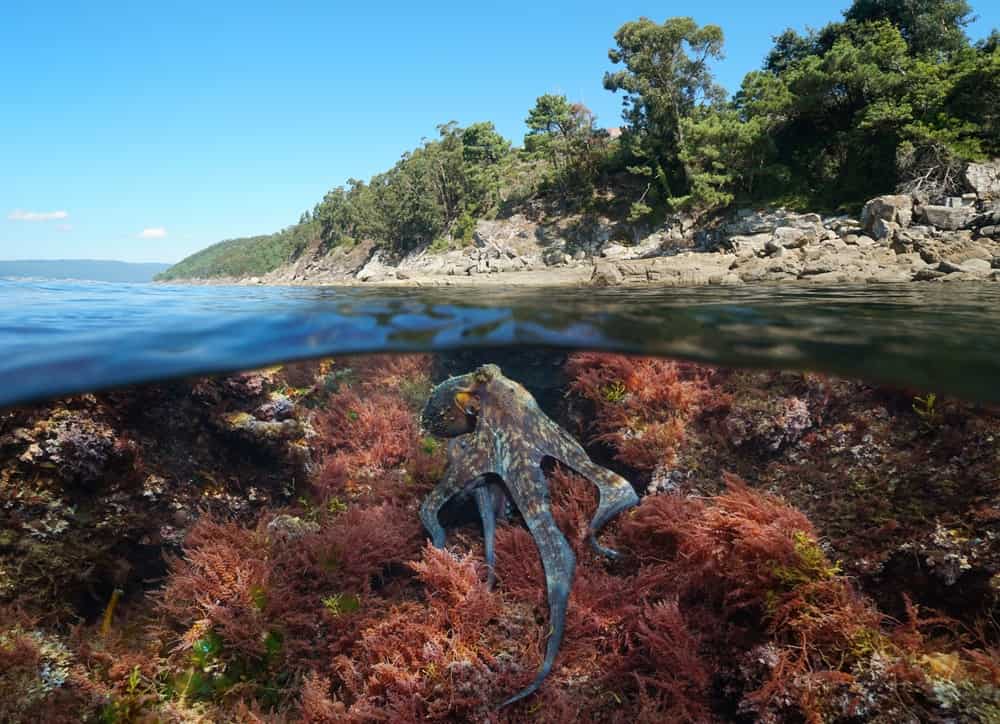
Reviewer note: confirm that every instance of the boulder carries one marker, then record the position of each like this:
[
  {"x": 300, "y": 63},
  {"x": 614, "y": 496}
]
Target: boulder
[
  {"x": 374, "y": 270},
  {"x": 615, "y": 251},
  {"x": 969, "y": 266},
  {"x": 606, "y": 274},
  {"x": 977, "y": 266},
  {"x": 983, "y": 179},
  {"x": 886, "y": 231},
  {"x": 895, "y": 209},
  {"x": 947, "y": 217},
  {"x": 927, "y": 275},
  {"x": 749, "y": 245},
  {"x": 790, "y": 237}
]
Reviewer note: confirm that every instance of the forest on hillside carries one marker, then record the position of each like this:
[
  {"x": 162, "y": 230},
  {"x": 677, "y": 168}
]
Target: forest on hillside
[{"x": 895, "y": 95}]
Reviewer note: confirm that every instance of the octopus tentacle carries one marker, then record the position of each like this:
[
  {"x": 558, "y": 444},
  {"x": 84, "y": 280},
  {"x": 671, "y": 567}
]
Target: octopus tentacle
[
  {"x": 491, "y": 501},
  {"x": 558, "y": 562},
  {"x": 615, "y": 492},
  {"x": 461, "y": 471},
  {"x": 615, "y": 495}
]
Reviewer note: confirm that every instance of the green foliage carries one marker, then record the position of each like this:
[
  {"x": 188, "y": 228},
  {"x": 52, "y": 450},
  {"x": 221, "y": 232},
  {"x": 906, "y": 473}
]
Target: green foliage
[
  {"x": 615, "y": 391},
  {"x": 927, "y": 410},
  {"x": 810, "y": 564},
  {"x": 665, "y": 79},
  {"x": 341, "y": 603},
  {"x": 138, "y": 696},
  {"x": 565, "y": 135},
  {"x": 929, "y": 26},
  {"x": 212, "y": 675},
  {"x": 853, "y": 110},
  {"x": 435, "y": 192},
  {"x": 250, "y": 256}
]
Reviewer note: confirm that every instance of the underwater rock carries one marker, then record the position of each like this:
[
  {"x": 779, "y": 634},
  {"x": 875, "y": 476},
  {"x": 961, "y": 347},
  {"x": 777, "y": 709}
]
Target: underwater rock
[
  {"x": 278, "y": 408},
  {"x": 290, "y": 527},
  {"x": 770, "y": 423},
  {"x": 262, "y": 431}
]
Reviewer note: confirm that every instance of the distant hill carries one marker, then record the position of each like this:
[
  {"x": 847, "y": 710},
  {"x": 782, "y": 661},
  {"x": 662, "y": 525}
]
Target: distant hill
[
  {"x": 247, "y": 256},
  {"x": 84, "y": 269}
]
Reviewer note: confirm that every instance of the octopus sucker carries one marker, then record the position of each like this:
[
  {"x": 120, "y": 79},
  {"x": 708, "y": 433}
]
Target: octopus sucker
[{"x": 497, "y": 430}]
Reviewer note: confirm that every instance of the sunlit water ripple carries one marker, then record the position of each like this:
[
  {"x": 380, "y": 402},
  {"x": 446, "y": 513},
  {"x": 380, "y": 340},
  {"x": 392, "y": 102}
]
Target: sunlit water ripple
[{"x": 63, "y": 337}]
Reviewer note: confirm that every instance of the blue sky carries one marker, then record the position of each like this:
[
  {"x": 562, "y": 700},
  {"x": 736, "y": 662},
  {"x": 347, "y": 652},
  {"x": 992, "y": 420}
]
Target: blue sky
[{"x": 146, "y": 131}]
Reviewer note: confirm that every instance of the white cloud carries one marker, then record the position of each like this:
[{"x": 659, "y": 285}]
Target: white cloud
[
  {"x": 153, "y": 232},
  {"x": 21, "y": 215}
]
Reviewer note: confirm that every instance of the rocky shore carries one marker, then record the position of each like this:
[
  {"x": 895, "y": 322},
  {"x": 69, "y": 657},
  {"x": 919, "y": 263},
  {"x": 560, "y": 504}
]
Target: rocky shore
[{"x": 897, "y": 238}]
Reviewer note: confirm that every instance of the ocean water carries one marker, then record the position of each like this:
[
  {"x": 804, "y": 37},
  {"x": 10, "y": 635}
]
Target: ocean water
[
  {"x": 258, "y": 541},
  {"x": 64, "y": 337}
]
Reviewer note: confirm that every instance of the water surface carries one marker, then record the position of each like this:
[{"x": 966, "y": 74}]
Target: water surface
[{"x": 64, "y": 337}]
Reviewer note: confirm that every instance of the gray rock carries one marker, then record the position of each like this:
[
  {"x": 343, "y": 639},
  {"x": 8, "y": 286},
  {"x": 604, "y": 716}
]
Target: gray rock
[
  {"x": 976, "y": 266},
  {"x": 969, "y": 266},
  {"x": 291, "y": 527},
  {"x": 948, "y": 267},
  {"x": 888, "y": 276},
  {"x": 790, "y": 237},
  {"x": 824, "y": 265},
  {"x": 753, "y": 275},
  {"x": 277, "y": 408},
  {"x": 990, "y": 231},
  {"x": 831, "y": 277},
  {"x": 749, "y": 245},
  {"x": 927, "y": 275},
  {"x": 894, "y": 209},
  {"x": 773, "y": 248},
  {"x": 606, "y": 274},
  {"x": 910, "y": 260},
  {"x": 983, "y": 179},
  {"x": 886, "y": 231},
  {"x": 945, "y": 217},
  {"x": 963, "y": 277},
  {"x": 614, "y": 251}
]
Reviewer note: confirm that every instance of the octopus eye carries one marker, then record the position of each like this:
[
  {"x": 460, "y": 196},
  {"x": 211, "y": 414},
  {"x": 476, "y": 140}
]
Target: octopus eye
[{"x": 466, "y": 402}]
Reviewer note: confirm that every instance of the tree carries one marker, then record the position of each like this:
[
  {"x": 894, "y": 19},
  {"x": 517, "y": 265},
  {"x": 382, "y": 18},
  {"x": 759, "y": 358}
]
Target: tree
[
  {"x": 564, "y": 134},
  {"x": 482, "y": 145},
  {"x": 790, "y": 48},
  {"x": 928, "y": 26},
  {"x": 666, "y": 76}
]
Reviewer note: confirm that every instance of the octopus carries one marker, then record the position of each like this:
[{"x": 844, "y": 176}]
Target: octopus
[{"x": 499, "y": 437}]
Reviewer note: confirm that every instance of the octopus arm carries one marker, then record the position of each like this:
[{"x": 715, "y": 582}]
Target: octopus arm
[
  {"x": 460, "y": 473},
  {"x": 615, "y": 492},
  {"x": 491, "y": 501},
  {"x": 528, "y": 488},
  {"x": 616, "y": 495}
]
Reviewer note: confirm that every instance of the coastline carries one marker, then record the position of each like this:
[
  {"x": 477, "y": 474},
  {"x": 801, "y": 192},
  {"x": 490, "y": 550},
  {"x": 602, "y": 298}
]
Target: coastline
[{"x": 896, "y": 238}]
